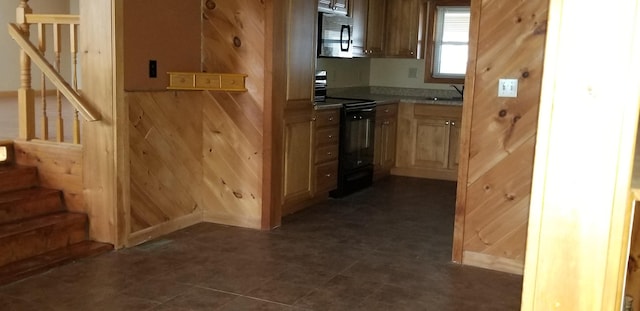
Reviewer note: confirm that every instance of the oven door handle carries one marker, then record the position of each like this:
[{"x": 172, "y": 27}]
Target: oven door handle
[{"x": 366, "y": 110}]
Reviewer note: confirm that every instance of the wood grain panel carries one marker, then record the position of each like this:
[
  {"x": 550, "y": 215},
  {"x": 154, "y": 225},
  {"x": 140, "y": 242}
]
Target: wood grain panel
[
  {"x": 59, "y": 167},
  {"x": 499, "y": 134},
  {"x": 232, "y": 148},
  {"x": 102, "y": 141},
  {"x": 165, "y": 150},
  {"x": 232, "y": 163}
]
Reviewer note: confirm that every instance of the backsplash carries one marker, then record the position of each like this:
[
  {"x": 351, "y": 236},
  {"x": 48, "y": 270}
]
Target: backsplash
[
  {"x": 392, "y": 73},
  {"x": 391, "y": 91}
]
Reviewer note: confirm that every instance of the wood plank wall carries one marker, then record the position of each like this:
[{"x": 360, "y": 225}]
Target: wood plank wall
[
  {"x": 498, "y": 136},
  {"x": 198, "y": 155},
  {"x": 234, "y": 41},
  {"x": 102, "y": 152},
  {"x": 165, "y": 132},
  {"x": 59, "y": 167}
]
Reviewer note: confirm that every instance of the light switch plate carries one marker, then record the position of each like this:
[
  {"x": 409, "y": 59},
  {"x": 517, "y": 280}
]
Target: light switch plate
[{"x": 508, "y": 88}]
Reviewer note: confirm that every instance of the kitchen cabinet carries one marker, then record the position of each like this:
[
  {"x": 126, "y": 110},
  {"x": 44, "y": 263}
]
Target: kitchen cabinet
[
  {"x": 334, "y": 6},
  {"x": 311, "y": 149},
  {"x": 297, "y": 169},
  {"x": 428, "y": 141},
  {"x": 401, "y": 28},
  {"x": 297, "y": 125},
  {"x": 368, "y": 27},
  {"x": 326, "y": 143},
  {"x": 384, "y": 156}
]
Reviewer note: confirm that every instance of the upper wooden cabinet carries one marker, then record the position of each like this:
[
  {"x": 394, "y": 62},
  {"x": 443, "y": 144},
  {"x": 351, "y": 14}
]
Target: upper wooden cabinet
[
  {"x": 386, "y": 28},
  {"x": 301, "y": 51},
  {"x": 368, "y": 27},
  {"x": 402, "y": 23},
  {"x": 334, "y": 6}
]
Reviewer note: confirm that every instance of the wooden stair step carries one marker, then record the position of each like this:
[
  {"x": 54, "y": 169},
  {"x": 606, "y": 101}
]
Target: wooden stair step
[
  {"x": 15, "y": 177},
  {"x": 29, "y": 203},
  {"x": 41, "y": 263},
  {"x": 35, "y": 236}
]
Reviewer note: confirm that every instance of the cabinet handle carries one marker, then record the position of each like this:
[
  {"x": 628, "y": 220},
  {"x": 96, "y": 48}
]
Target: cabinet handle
[
  {"x": 412, "y": 52},
  {"x": 385, "y": 123},
  {"x": 313, "y": 118},
  {"x": 327, "y": 175},
  {"x": 453, "y": 123},
  {"x": 386, "y": 110},
  {"x": 446, "y": 122},
  {"x": 330, "y": 136},
  {"x": 331, "y": 118},
  {"x": 329, "y": 153}
]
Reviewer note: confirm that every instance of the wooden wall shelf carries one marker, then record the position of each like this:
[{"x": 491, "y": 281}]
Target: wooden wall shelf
[{"x": 230, "y": 82}]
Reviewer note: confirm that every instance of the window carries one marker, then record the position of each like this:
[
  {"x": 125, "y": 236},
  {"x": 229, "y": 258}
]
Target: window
[{"x": 448, "y": 43}]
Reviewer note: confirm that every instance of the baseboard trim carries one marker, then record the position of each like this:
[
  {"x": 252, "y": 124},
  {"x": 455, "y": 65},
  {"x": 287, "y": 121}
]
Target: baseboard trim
[
  {"x": 156, "y": 231},
  {"x": 493, "y": 262}
]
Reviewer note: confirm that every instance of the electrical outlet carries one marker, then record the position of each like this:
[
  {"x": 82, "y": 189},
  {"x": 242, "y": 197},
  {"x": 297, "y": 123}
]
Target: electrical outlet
[
  {"x": 508, "y": 88},
  {"x": 153, "y": 68},
  {"x": 413, "y": 72}
]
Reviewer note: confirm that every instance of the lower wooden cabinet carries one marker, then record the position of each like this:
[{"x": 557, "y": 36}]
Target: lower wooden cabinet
[
  {"x": 310, "y": 164},
  {"x": 384, "y": 156},
  {"x": 428, "y": 141},
  {"x": 298, "y": 160},
  {"x": 327, "y": 133}
]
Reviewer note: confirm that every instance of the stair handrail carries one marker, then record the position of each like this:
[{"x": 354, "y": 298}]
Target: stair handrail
[{"x": 57, "y": 80}]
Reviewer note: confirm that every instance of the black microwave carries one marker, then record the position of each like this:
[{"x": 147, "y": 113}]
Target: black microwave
[{"x": 334, "y": 35}]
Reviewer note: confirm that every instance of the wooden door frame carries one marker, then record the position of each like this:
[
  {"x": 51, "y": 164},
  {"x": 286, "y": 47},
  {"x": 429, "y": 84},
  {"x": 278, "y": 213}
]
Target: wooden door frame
[{"x": 580, "y": 208}]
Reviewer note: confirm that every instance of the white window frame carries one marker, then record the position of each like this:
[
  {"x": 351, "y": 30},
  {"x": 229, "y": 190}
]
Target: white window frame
[{"x": 438, "y": 42}]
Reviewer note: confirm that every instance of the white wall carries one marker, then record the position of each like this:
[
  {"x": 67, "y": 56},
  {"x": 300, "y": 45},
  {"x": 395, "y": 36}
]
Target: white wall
[
  {"x": 9, "y": 52},
  {"x": 395, "y": 72},
  {"x": 345, "y": 72},
  {"x": 387, "y": 72}
]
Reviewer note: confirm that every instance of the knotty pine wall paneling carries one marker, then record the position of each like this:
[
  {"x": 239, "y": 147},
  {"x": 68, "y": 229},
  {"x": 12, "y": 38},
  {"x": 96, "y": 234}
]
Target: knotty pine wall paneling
[
  {"x": 102, "y": 159},
  {"x": 165, "y": 133},
  {"x": 498, "y": 135},
  {"x": 59, "y": 167},
  {"x": 232, "y": 125}
]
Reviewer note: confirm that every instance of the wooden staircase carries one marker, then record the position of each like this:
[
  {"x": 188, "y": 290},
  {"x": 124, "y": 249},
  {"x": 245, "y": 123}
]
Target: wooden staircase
[{"x": 36, "y": 230}]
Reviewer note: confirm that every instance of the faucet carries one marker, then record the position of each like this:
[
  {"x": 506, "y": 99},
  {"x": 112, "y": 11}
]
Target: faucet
[{"x": 460, "y": 90}]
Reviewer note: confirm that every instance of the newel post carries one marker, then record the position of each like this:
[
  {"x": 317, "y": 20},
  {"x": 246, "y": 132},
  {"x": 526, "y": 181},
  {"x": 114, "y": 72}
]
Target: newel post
[{"x": 26, "y": 110}]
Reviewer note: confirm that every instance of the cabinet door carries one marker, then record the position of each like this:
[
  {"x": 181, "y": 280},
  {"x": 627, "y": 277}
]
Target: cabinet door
[
  {"x": 297, "y": 168},
  {"x": 334, "y": 6},
  {"x": 374, "y": 40},
  {"x": 431, "y": 143},
  {"x": 341, "y": 6},
  {"x": 401, "y": 38},
  {"x": 454, "y": 144},
  {"x": 389, "y": 143},
  {"x": 377, "y": 146},
  {"x": 358, "y": 37},
  {"x": 300, "y": 52}
]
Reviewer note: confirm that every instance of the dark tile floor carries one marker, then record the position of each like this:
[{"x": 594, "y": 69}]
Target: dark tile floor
[{"x": 385, "y": 248}]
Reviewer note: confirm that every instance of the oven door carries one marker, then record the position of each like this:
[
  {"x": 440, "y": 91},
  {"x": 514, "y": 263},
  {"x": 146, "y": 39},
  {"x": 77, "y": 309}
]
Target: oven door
[{"x": 357, "y": 140}]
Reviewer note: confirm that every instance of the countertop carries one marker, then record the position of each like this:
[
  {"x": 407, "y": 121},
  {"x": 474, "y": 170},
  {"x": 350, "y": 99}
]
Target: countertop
[{"x": 382, "y": 99}]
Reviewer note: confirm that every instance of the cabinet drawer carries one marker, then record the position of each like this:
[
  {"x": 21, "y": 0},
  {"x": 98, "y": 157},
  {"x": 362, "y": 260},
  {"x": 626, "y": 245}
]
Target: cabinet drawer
[
  {"x": 326, "y": 118},
  {"x": 327, "y": 153},
  {"x": 327, "y": 176},
  {"x": 387, "y": 110},
  {"x": 231, "y": 82},
  {"x": 182, "y": 80},
  {"x": 327, "y": 136},
  {"x": 207, "y": 82}
]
